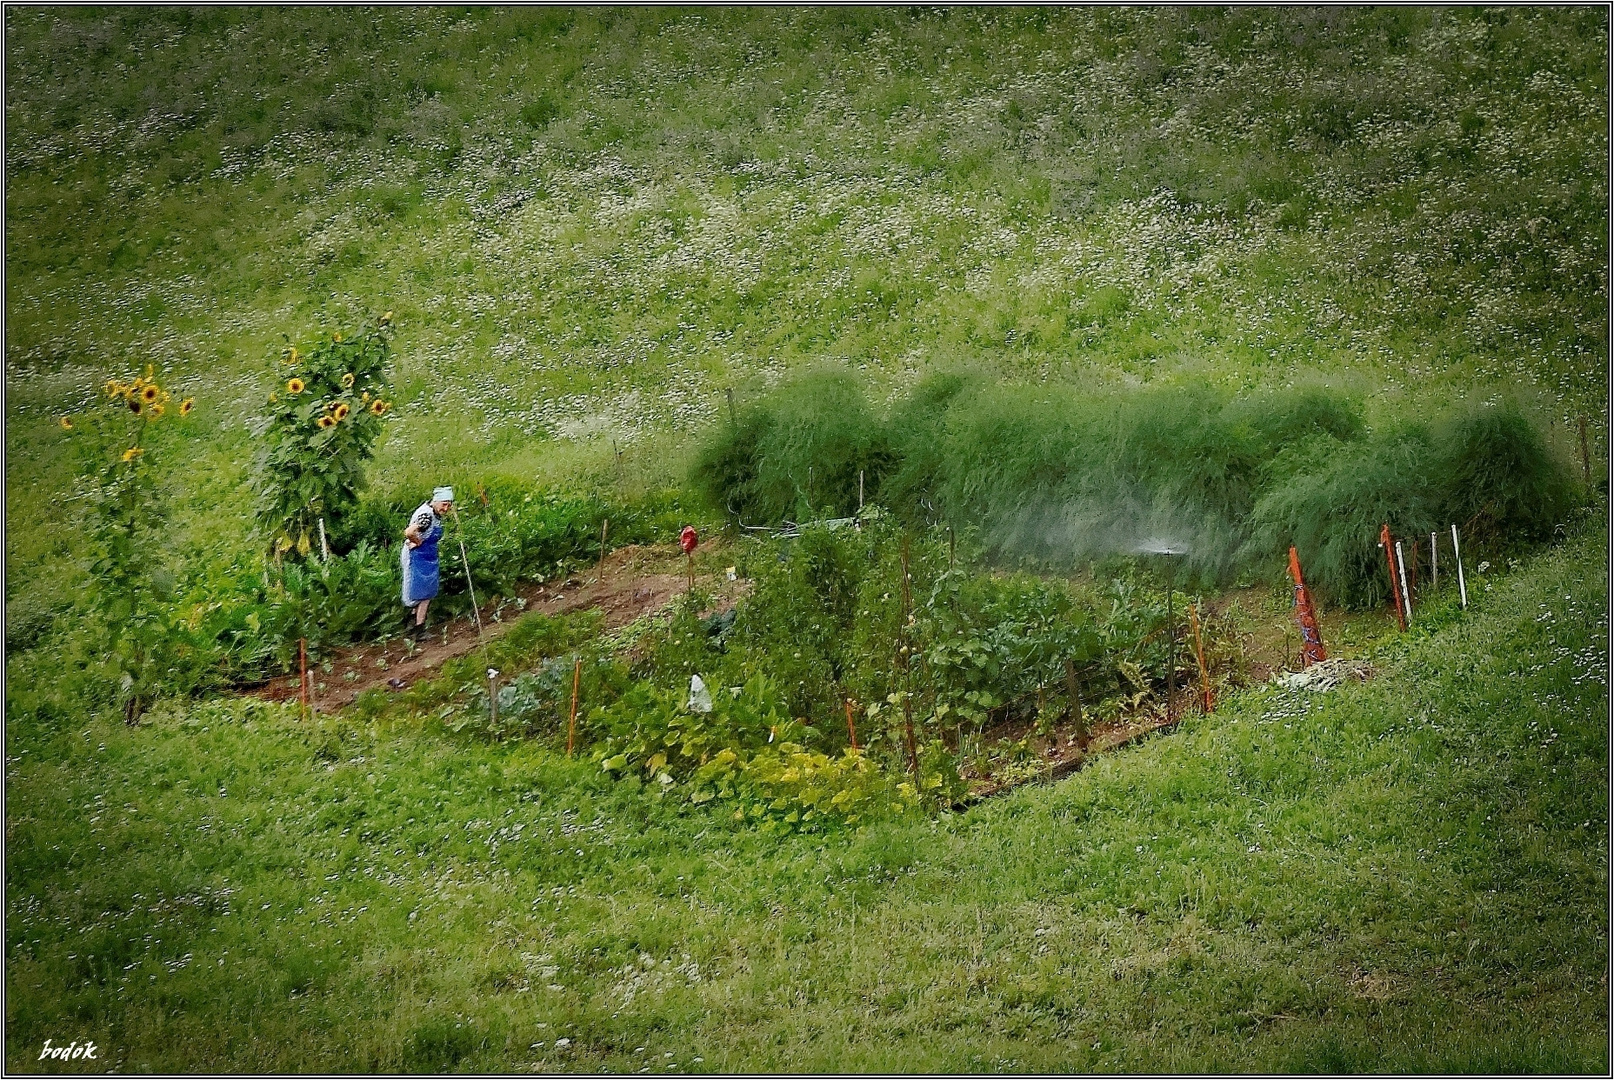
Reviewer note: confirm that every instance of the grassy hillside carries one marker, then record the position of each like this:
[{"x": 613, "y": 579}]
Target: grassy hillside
[
  {"x": 1409, "y": 874},
  {"x": 1127, "y": 237},
  {"x": 590, "y": 223}
]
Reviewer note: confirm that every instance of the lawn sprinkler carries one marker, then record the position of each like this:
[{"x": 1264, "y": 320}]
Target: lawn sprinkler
[{"x": 1171, "y": 549}]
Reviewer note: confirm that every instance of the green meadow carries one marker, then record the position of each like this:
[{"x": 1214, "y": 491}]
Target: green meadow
[{"x": 1038, "y": 284}]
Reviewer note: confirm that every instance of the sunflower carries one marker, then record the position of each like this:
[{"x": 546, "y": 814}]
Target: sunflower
[
  {"x": 150, "y": 392},
  {"x": 378, "y": 406},
  {"x": 326, "y": 421},
  {"x": 135, "y": 406},
  {"x": 114, "y": 388},
  {"x": 186, "y": 406},
  {"x": 66, "y": 422},
  {"x": 347, "y": 381},
  {"x": 132, "y": 453},
  {"x": 295, "y": 386},
  {"x": 341, "y": 411},
  {"x": 337, "y": 337},
  {"x": 156, "y": 409},
  {"x": 386, "y": 318}
]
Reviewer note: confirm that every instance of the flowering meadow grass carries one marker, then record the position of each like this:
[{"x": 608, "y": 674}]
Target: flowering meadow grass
[{"x": 591, "y": 223}]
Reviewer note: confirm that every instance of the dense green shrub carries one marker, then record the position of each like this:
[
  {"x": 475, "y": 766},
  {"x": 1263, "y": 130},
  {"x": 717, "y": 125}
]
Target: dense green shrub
[
  {"x": 1059, "y": 478},
  {"x": 797, "y": 453}
]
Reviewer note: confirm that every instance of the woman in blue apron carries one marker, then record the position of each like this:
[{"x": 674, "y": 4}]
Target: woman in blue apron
[{"x": 419, "y": 555}]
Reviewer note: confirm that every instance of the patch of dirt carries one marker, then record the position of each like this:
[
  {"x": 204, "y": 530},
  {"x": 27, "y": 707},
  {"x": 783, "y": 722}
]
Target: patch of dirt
[
  {"x": 632, "y": 581},
  {"x": 1058, "y": 752}
]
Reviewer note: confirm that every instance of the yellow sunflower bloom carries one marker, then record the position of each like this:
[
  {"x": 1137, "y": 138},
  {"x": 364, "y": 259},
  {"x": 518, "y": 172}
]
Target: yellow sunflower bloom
[
  {"x": 186, "y": 406},
  {"x": 114, "y": 388},
  {"x": 336, "y": 337},
  {"x": 347, "y": 381},
  {"x": 66, "y": 422},
  {"x": 378, "y": 406},
  {"x": 150, "y": 392},
  {"x": 326, "y": 421},
  {"x": 341, "y": 411},
  {"x": 367, "y": 397},
  {"x": 295, "y": 386},
  {"x": 132, "y": 453},
  {"x": 157, "y": 409}
]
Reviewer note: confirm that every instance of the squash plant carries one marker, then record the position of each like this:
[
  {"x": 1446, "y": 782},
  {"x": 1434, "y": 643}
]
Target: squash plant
[{"x": 316, "y": 434}]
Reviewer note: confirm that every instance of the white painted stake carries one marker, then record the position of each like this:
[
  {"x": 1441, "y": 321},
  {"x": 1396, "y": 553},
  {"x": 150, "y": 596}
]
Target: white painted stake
[
  {"x": 324, "y": 548},
  {"x": 1434, "y": 563},
  {"x": 1401, "y": 568},
  {"x": 1462, "y": 586}
]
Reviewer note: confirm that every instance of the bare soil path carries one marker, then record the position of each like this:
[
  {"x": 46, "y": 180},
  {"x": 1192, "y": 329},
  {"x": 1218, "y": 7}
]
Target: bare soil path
[{"x": 632, "y": 581}]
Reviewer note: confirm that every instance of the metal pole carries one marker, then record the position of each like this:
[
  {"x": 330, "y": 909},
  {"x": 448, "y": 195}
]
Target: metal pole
[
  {"x": 1462, "y": 586},
  {"x": 1171, "y": 647},
  {"x": 905, "y": 654}
]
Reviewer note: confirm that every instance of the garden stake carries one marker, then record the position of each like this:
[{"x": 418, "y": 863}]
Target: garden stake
[
  {"x": 903, "y": 655},
  {"x": 302, "y": 683},
  {"x": 324, "y": 548},
  {"x": 1462, "y": 586},
  {"x": 1406, "y": 597},
  {"x": 465, "y": 561},
  {"x": 1199, "y": 650},
  {"x": 1311, "y": 638},
  {"x": 860, "y": 492},
  {"x": 493, "y": 698},
  {"x": 1585, "y": 453},
  {"x": 851, "y": 729},
  {"x": 1434, "y": 562},
  {"x": 1389, "y": 558},
  {"x": 605, "y": 524},
  {"x": 571, "y": 725},
  {"x": 1076, "y": 712}
]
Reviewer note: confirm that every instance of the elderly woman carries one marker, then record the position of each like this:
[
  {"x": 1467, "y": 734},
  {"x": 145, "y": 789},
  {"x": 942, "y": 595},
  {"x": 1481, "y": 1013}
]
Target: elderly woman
[{"x": 419, "y": 555}]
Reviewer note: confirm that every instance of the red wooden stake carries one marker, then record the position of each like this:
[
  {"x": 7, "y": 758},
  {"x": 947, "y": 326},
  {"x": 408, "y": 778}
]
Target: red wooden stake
[
  {"x": 1311, "y": 637},
  {"x": 1395, "y": 590}
]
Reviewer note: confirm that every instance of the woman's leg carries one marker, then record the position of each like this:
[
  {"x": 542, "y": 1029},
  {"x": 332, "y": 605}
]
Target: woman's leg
[{"x": 420, "y": 613}]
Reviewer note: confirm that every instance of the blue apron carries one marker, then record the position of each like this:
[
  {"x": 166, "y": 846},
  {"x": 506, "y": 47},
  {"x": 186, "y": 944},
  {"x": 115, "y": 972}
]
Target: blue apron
[{"x": 420, "y": 569}]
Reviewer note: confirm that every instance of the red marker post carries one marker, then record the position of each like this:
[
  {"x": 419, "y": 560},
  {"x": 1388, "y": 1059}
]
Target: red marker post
[{"x": 688, "y": 540}]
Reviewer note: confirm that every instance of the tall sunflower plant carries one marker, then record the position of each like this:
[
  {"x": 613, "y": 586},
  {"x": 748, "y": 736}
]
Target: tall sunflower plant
[
  {"x": 316, "y": 434},
  {"x": 122, "y": 494}
]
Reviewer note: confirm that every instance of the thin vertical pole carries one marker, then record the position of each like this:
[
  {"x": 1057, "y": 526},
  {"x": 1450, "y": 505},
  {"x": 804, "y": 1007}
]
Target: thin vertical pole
[
  {"x": 324, "y": 548},
  {"x": 1462, "y": 586},
  {"x": 605, "y": 526},
  {"x": 1401, "y": 564},
  {"x": 851, "y": 728},
  {"x": 302, "y": 665},
  {"x": 905, "y": 655},
  {"x": 1076, "y": 711},
  {"x": 1434, "y": 562},
  {"x": 860, "y": 491},
  {"x": 1171, "y": 648},
  {"x": 571, "y": 724},
  {"x": 1389, "y": 558}
]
